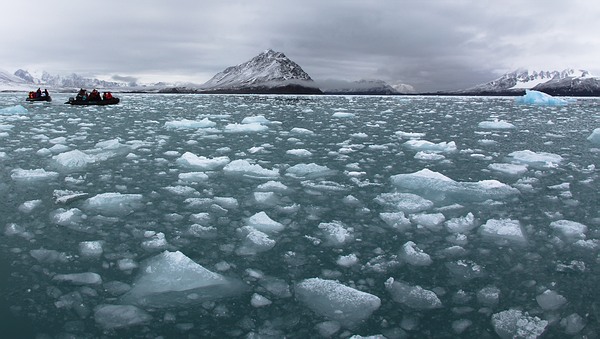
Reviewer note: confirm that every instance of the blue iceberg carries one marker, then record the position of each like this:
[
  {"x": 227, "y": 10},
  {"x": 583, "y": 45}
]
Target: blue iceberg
[
  {"x": 17, "y": 109},
  {"x": 532, "y": 97}
]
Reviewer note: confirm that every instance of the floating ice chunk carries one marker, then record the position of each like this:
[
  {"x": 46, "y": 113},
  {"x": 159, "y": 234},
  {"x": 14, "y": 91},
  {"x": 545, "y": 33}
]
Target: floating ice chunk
[
  {"x": 262, "y": 222},
  {"x": 336, "y": 301},
  {"x": 33, "y": 175},
  {"x": 570, "y": 230},
  {"x": 14, "y": 229},
  {"x": 461, "y": 224},
  {"x": 172, "y": 279},
  {"x": 67, "y": 196},
  {"x": 110, "y": 317},
  {"x": 193, "y": 177},
  {"x": 335, "y": 233},
  {"x": 273, "y": 186},
  {"x": 396, "y": 220},
  {"x": 30, "y": 205},
  {"x": 428, "y": 146},
  {"x": 114, "y": 203},
  {"x": 430, "y": 221},
  {"x": 16, "y": 109},
  {"x": 91, "y": 249},
  {"x": 412, "y": 296},
  {"x": 86, "y": 278},
  {"x": 489, "y": 296},
  {"x": 464, "y": 270},
  {"x": 258, "y": 300},
  {"x": 503, "y": 231},
  {"x": 254, "y": 241},
  {"x": 109, "y": 144},
  {"x": 156, "y": 242},
  {"x": 70, "y": 218},
  {"x": 513, "y": 323},
  {"x": 550, "y": 300},
  {"x": 403, "y": 202},
  {"x": 49, "y": 256},
  {"x": 536, "y": 160},
  {"x": 266, "y": 198},
  {"x": 309, "y": 171},
  {"x": 409, "y": 135},
  {"x": 347, "y": 260},
  {"x": 437, "y": 187},
  {"x": 201, "y": 163},
  {"x": 204, "y": 232},
  {"x": 190, "y": 124},
  {"x": 429, "y": 156},
  {"x": 245, "y": 128},
  {"x": 277, "y": 287},
  {"x": 73, "y": 160},
  {"x": 302, "y": 153},
  {"x": 126, "y": 264},
  {"x": 301, "y": 131},
  {"x": 496, "y": 124},
  {"x": 573, "y": 323},
  {"x": 259, "y": 119},
  {"x": 413, "y": 255},
  {"x": 532, "y": 97},
  {"x": 328, "y": 328},
  {"x": 6, "y": 127},
  {"x": 343, "y": 115},
  {"x": 510, "y": 169},
  {"x": 595, "y": 136},
  {"x": 243, "y": 168}
]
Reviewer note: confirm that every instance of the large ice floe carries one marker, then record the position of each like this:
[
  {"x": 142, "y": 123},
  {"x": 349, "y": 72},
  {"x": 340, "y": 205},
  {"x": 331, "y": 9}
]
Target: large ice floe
[
  {"x": 172, "y": 279},
  {"x": 438, "y": 187},
  {"x": 336, "y": 301},
  {"x": 532, "y": 97}
]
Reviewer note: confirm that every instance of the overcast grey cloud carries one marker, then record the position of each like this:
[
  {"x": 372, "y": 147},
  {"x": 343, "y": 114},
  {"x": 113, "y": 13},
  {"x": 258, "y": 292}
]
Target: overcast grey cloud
[{"x": 432, "y": 45}]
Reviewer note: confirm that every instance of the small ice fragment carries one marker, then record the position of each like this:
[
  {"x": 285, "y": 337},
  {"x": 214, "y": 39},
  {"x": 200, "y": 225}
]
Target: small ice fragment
[
  {"x": 258, "y": 300},
  {"x": 87, "y": 278},
  {"x": 110, "y": 317},
  {"x": 550, "y": 300},
  {"x": 503, "y": 231},
  {"x": 412, "y": 296},
  {"x": 413, "y": 255},
  {"x": 517, "y": 324}
]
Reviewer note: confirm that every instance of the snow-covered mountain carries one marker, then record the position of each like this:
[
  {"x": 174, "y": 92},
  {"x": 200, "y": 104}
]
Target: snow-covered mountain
[
  {"x": 10, "y": 82},
  {"x": 268, "y": 72},
  {"x": 360, "y": 87},
  {"x": 566, "y": 82},
  {"x": 69, "y": 81}
]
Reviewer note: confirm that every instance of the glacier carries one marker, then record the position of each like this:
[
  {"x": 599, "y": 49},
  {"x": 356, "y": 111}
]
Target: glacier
[{"x": 261, "y": 216}]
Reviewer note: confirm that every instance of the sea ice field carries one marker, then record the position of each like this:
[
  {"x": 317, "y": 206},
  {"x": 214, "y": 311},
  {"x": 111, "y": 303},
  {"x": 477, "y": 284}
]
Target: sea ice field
[{"x": 257, "y": 216}]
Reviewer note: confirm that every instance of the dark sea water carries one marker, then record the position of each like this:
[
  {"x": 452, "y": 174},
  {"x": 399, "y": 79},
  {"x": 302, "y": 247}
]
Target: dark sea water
[{"x": 160, "y": 174}]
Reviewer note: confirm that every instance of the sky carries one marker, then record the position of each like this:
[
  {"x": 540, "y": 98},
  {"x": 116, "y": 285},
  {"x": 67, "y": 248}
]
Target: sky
[{"x": 429, "y": 44}]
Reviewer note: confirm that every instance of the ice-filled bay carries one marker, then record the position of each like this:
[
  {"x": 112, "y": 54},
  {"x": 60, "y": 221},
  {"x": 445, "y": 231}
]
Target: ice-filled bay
[{"x": 299, "y": 216}]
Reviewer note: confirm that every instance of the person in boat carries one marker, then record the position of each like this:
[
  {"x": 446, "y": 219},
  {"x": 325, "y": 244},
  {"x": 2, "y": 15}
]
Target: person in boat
[
  {"x": 46, "y": 92},
  {"x": 38, "y": 93},
  {"x": 31, "y": 94},
  {"x": 95, "y": 95},
  {"x": 108, "y": 96},
  {"x": 82, "y": 95}
]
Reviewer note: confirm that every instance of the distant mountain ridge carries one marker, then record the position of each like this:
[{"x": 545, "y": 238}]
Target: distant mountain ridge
[
  {"x": 568, "y": 82},
  {"x": 70, "y": 81},
  {"x": 360, "y": 87}
]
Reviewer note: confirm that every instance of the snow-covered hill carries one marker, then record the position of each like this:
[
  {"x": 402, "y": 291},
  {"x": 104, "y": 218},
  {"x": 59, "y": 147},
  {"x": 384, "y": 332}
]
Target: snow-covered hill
[
  {"x": 269, "y": 71},
  {"x": 566, "y": 82}
]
